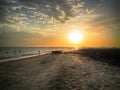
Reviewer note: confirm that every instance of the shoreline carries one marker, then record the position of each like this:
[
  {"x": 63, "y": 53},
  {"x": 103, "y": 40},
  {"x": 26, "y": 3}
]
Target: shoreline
[{"x": 19, "y": 57}]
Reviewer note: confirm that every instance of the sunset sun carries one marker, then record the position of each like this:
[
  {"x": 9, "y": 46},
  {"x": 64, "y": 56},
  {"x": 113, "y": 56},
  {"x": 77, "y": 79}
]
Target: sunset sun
[{"x": 75, "y": 37}]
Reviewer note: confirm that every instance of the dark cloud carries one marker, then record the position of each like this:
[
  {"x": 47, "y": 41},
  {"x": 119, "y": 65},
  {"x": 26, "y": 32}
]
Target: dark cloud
[
  {"x": 60, "y": 10},
  {"x": 109, "y": 13},
  {"x": 114, "y": 7},
  {"x": 109, "y": 8},
  {"x": 49, "y": 7},
  {"x": 3, "y": 11},
  {"x": 91, "y": 3}
]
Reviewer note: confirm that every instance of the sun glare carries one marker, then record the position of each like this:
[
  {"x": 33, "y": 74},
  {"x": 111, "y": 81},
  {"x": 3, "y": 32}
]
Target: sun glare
[{"x": 75, "y": 37}]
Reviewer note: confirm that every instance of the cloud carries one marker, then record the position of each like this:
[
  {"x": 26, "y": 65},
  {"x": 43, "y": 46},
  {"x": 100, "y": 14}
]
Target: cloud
[
  {"x": 7, "y": 28},
  {"x": 49, "y": 8},
  {"x": 60, "y": 10},
  {"x": 41, "y": 13},
  {"x": 3, "y": 11},
  {"x": 89, "y": 10},
  {"x": 46, "y": 14}
]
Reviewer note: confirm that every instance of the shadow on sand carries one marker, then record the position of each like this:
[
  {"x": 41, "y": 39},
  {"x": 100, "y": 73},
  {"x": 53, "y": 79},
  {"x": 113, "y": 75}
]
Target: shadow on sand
[{"x": 109, "y": 55}]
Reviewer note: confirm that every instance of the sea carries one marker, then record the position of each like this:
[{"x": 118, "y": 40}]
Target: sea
[{"x": 10, "y": 52}]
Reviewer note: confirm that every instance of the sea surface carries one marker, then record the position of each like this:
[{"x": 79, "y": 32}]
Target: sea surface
[{"x": 9, "y": 52}]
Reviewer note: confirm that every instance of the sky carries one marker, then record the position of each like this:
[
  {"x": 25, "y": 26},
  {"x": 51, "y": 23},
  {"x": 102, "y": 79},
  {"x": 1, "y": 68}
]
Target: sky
[{"x": 47, "y": 23}]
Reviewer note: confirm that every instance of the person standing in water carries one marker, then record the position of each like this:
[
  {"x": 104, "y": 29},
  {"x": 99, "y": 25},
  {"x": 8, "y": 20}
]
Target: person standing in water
[{"x": 39, "y": 52}]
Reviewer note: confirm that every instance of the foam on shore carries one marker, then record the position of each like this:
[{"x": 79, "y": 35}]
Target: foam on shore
[{"x": 19, "y": 57}]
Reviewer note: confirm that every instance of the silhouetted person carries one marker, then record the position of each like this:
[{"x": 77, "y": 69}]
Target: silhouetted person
[
  {"x": 39, "y": 52},
  {"x": 15, "y": 52},
  {"x": 19, "y": 51},
  {"x": 7, "y": 52}
]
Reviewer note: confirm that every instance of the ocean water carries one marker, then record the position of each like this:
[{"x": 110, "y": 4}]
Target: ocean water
[{"x": 8, "y": 52}]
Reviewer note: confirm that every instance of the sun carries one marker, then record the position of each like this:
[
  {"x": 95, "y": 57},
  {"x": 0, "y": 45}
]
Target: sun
[{"x": 75, "y": 36}]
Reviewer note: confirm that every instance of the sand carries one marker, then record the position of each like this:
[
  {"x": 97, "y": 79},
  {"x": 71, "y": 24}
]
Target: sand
[{"x": 58, "y": 72}]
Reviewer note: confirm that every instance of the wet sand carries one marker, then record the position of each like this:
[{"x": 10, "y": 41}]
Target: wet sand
[{"x": 58, "y": 72}]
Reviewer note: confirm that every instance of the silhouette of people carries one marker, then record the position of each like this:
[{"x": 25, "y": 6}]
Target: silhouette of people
[
  {"x": 19, "y": 51},
  {"x": 7, "y": 52},
  {"x": 39, "y": 52},
  {"x": 15, "y": 52}
]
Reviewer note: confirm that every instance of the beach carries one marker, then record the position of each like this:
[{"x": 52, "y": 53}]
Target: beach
[{"x": 66, "y": 71}]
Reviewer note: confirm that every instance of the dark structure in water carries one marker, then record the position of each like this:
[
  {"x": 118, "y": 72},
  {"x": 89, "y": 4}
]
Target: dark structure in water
[{"x": 56, "y": 52}]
